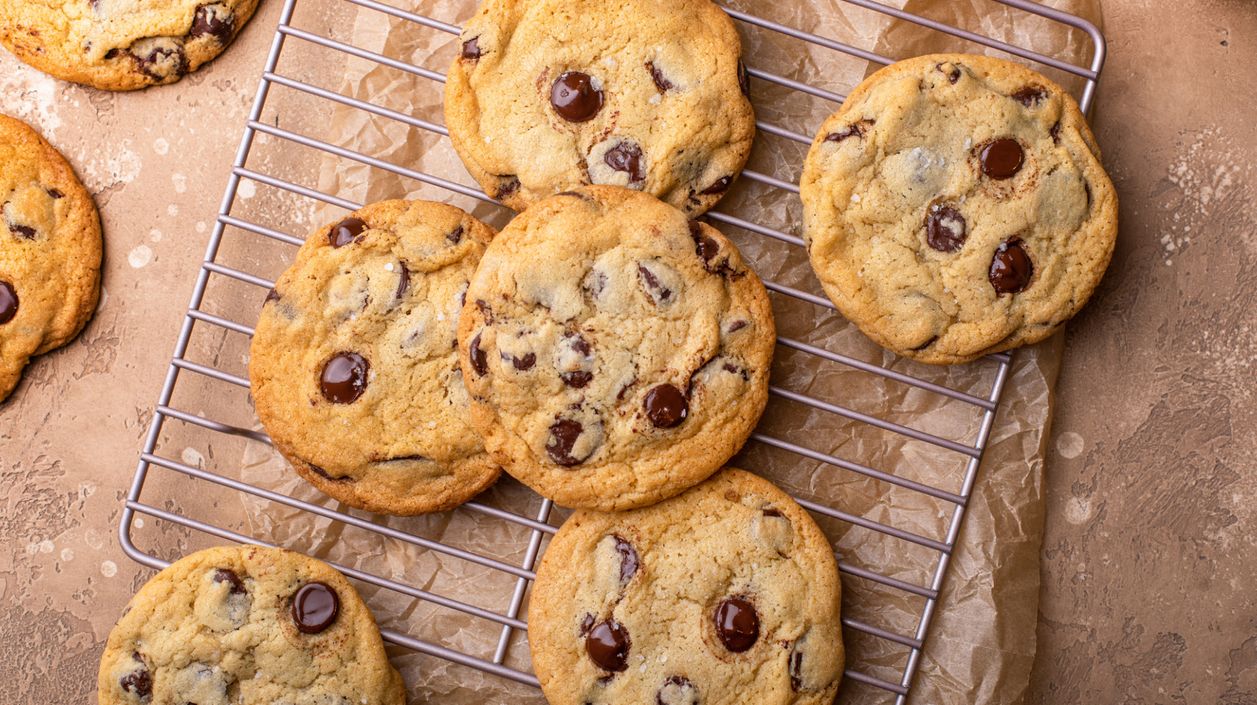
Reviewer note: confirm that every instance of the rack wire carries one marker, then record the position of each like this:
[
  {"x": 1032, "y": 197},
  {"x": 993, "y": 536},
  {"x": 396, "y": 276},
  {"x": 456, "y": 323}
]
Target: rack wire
[{"x": 540, "y": 525}]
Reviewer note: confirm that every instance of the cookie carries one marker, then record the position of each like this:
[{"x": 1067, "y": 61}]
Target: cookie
[
  {"x": 245, "y": 624},
  {"x": 547, "y": 95},
  {"x": 50, "y": 248},
  {"x": 354, "y": 366},
  {"x": 955, "y": 206},
  {"x": 120, "y": 45},
  {"x": 723, "y": 595},
  {"x": 616, "y": 353}
]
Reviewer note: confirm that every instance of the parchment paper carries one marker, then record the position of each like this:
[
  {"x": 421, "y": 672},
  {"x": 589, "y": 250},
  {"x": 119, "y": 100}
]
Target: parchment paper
[{"x": 982, "y": 644}]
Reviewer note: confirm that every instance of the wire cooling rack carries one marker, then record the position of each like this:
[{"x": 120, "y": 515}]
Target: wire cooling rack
[{"x": 534, "y": 528}]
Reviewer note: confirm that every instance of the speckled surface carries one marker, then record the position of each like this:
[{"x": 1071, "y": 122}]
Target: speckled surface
[{"x": 1149, "y": 557}]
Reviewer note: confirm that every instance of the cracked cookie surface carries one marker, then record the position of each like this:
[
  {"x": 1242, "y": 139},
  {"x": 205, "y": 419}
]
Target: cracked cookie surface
[
  {"x": 955, "y": 206},
  {"x": 549, "y": 95},
  {"x": 616, "y": 352},
  {"x": 246, "y": 624},
  {"x": 354, "y": 366},
  {"x": 50, "y": 249},
  {"x": 120, "y": 44},
  {"x": 725, "y": 594}
]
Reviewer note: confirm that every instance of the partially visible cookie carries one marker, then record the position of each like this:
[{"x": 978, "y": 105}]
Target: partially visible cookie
[
  {"x": 616, "y": 352},
  {"x": 354, "y": 365},
  {"x": 120, "y": 45},
  {"x": 955, "y": 206},
  {"x": 548, "y": 95},
  {"x": 247, "y": 624},
  {"x": 50, "y": 249},
  {"x": 724, "y": 595}
]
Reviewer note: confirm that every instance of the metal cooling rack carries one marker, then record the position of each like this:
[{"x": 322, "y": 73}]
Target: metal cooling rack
[{"x": 539, "y": 525}]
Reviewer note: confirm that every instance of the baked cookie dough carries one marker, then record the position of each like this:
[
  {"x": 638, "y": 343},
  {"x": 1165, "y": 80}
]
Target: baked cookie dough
[
  {"x": 548, "y": 95},
  {"x": 955, "y": 206},
  {"x": 120, "y": 45},
  {"x": 247, "y": 625},
  {"x": 616, "y": 352},
  {"x": 50, "y": 248},
  {"x": 354, "y": 368},
  {"x": 724, "y": 595}
]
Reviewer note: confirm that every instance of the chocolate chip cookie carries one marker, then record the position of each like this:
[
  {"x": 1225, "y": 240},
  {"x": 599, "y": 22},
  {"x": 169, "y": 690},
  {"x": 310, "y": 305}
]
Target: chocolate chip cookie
[
  {"x": 354, "y": 365},
  {"x": 724, "y": 595},
  {"x": 956, "y": 206},
  {"x": 616, "y": 352},
  {"x": 245, "y": 624},
  {"x": 120, "y": 45},
  {"x": 49, "y": 250},
  {"x": 547, "y": 95}
]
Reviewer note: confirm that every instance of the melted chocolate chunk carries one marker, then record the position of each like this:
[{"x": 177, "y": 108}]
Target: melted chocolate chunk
[
  {"x": 327, "y": 475},
  {"x": 1011, "y": 268},
  {"x": 718, "y": 187},
  {"x": 1030, "y": 95},
  {"x": 796, "y": 670},
  {"x": 162, "y": 61},
  {"x": 677, "y": 690},
  {"x": 737, "y": 326},
  {"x": 485, "y": 309},
  {"x": 524, "y": 363},
  {"x": 660, "y": 293},
  {"x": 945, "y": 227},
  {"x": 1055, "y": 132},
  {"x": 608, "y": 646},
  {"x": 563, "y": 436},
  {"x": 586, "y": 623},
  {"x": 403, "y": 282},
  {"x": 229, "y": 576},
  {"x": 953, "y": 74},
  {"x": 25, "y": 232},
  {"x": 575, "y": 98},
  {"x": 509, "y": 185},
  {"x": 744, "y": 79},
  {"x": 271, "y": 295},
  {"x": 8, "y": 302},
  {"x": 479, "y": 361},
  {"x": 456, "y": 236},
  {"x": 471, "y": 49},
  {"x": 213, "y": 21},
  {"x": 771, "y": 512},
  {"x": 666, "y": 406},
  {"x": 737, "y": 624},
  {"x": 139, "y": 681},
  {"x": 852, "y": 130},
  {"x": 315, "y": 607},
  {"x": 626, "y": 157},
  {"x": 113, "y": 53},
  {"x": 346, "y": 231},
  {"x": 577, "y": 379},
  {"x": 629, "y": 561},
  {"x": 344, "y": 378},
  {"x": 708, "y": 250},
  {"x": 1002, "y": 158},
  {"x": 661, "y": 81},
  {"x": 55, "y": 193}
]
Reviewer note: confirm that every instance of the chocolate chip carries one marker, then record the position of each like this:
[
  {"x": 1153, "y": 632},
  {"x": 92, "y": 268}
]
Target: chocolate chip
[
  {"x": 1030, "y": 95},
  {"x": 744, "y": 79},
  {"x": 229, "y": 576},
  {"x": 953, "y": 74},
  {"x": 626, "y": 157},
  {"x": 8, "y": 302},
  {"x": 113, "y": 53},
  {"x": 796, "y": 670},
  {"x": 575, "y": 360},
  {"x": 771, "y": 512},
  {"x": 456, "y": 236},
  {"x": 563, "y": 436},
  {"x": 737, "y": 326},
  {"x": 271, "y": 295},
  {"x": 577, "y": 379},
  {"x": 594, "y": 283},
  {"x": 657, "y": 291},
  {"x": 926, "y": 344},
  {"x": 479, "y": 361},
  {"x": 485, "y": 310},
  {"x": 160, "y": 59},
  {"x": 139, "y": 681},
  {"x": 575, "y": 97},
  {"x": 55, "y": 193},
  {"x": 215, "y": 21},
  {"x": 661, "y": 82},
  {"x": 1011, "y": 268},
  {"x": 346, "y": 231},
  {"x": 666, "y": 406},
  {"x": 524, "y": 363},
  {"x": 508, "y": 186},
  {"x": 628, "y": 559},
  {"x": 344, "y": 378},
  {"x": 718, "y": 187},
  {"x": 708, "y": 250},
  {"x": 677, "y": 690},
  {"x": 1086, "y": 186},
  {"x": 855, "y": 130},
  {"x": 1055, "y": 132},
  {"x": 945, "y": 227},
  {"x": 315, "y": 607},
  {"x": 25, "y": 232},
  {"x": 403, "y": 282},
  {"x": 1002, "y": 158},
  {"x": 471, "y": 49},
  {"x": 737, "y": 624},
  {"x": 608, "y": 646},
  {"x": 586, "y": 623},
  {"x": 327, "y": 475}
]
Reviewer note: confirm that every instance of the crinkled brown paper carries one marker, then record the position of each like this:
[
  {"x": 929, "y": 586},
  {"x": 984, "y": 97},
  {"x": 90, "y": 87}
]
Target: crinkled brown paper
[{"x": 982, "y": 643}]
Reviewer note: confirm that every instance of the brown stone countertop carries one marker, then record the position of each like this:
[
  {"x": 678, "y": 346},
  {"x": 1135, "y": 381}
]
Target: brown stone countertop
[{"x": 1149, "y": 559}]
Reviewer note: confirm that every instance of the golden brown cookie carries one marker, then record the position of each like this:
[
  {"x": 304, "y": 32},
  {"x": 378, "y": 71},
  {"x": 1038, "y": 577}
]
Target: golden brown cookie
[
  {"x": 354, "y": 368},
  {"x": 50, "y": 249},
  {"x": 955, "y": 206},
  {"x": 727, "y": 594}
]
